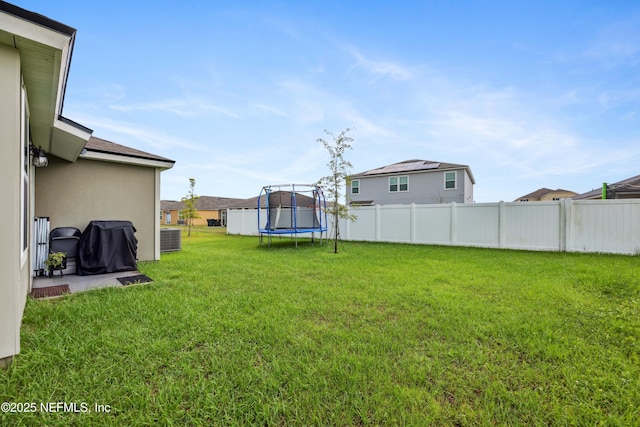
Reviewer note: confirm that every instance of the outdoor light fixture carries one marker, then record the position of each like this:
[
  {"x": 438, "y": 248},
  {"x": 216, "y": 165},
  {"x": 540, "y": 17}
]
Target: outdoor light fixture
[{"x": 39, "y": 158}]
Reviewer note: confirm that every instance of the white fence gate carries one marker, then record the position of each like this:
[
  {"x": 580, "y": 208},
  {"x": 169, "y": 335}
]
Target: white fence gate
[{"x": 611, "y": 226}]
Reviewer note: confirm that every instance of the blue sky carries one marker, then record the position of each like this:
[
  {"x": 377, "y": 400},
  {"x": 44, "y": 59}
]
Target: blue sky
[{"x": 528, "y": 94}]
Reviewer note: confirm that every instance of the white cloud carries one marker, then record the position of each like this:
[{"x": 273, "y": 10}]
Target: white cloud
[
  {"x": 617, "y": 43},
  {"x": 270, "y": 109},
  {"x": 188, "y": 107},
  {"x": 126, "y": 131},
  {"x": 377, "y": 68}
]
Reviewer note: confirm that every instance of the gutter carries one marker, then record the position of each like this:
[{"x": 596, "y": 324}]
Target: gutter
[{"x": 91, "y": 154}]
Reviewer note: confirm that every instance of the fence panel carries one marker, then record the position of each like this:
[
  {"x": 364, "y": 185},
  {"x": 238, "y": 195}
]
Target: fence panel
[
  {"x": 611, "y": 226},
  {"x": 245, "y": 221},
  {"x": 433, "y": 224},
  {"x": 394, "y": 223},
  {"x": 477, "y": 224},
  {"x": 533, "y": 226},
  {"x": 364, "y": 228}
]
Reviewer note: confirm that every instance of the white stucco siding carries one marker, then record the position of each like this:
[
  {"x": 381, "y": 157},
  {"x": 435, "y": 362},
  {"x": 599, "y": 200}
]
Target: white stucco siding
[
  {"x": 14, "y": 280},
  {"x": 72, "y": 194}
]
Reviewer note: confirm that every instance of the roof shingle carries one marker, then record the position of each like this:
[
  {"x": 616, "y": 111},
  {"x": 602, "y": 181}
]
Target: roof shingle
[
  {"x": 100, "y": 145},
  {"x": 415, "y": 165}
]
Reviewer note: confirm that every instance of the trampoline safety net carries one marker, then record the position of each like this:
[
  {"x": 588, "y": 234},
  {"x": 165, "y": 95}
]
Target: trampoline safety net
[{"x": 292, "y": 209}]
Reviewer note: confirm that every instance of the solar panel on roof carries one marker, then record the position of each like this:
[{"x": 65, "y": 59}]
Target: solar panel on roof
[
  {"x": 427, "y": 166},
  {"x": 404, "y": 167},
  {"x": 413, "y": 166}
]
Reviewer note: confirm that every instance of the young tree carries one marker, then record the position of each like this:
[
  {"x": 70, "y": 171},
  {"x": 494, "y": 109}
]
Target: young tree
[
  {"x": 333, "y": 183},
  {"x": 189, "y": 213}
]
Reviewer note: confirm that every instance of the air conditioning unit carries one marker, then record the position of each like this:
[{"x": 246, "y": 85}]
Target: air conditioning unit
[{"x": 170, "y": 239}]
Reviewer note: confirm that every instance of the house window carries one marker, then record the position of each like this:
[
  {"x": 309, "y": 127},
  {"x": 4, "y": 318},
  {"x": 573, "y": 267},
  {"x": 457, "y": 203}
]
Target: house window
[
  {"x": 449, "y": 180},
  {"x": 355, "y": 186},
  {"x": 404, "y": 183},
  {"x": 398, "y": 183}
]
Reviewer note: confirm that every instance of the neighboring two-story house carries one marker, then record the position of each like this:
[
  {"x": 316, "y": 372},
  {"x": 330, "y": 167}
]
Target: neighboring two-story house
[
  {"x": 412, "y": 181},
  {"x": 546, "y": 194}
]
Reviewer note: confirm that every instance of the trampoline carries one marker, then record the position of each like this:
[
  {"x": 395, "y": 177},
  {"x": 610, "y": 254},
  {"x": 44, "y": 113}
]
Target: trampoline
[{"x": 292, "y": 209}]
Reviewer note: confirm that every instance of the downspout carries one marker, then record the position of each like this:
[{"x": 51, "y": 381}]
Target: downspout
[{"x": 604, "y": 191}]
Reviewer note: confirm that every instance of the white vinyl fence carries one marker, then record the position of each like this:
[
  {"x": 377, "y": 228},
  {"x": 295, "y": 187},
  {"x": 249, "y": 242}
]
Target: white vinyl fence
[{"x": 610, "y": 226}]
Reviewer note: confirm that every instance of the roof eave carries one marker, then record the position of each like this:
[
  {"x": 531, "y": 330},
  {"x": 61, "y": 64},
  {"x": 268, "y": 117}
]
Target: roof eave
[
  {"x": 91, "y": 154},
  {"x": 34, "y": 34}
]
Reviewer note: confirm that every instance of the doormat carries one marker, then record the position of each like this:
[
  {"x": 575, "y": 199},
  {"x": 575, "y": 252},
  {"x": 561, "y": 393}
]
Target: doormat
[
  {"x": 50, "y": 291},
  {"x": 134, "y": 280}
]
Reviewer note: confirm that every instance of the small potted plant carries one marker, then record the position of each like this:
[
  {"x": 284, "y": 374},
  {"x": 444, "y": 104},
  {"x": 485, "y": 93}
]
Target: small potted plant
[{"x": 56, "y": 261}]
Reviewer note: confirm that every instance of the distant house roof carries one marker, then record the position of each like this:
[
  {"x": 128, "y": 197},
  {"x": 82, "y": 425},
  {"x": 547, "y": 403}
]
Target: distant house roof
[
  {"x": 250, "y": 203},
  {"x": 413, "y": 166},
  {"x": 97, "y": 146},
  {"x": 209, "y": 203},
  {"x": 541, "y": 192},
  {"x": 171, "y": 205},
  {"x": 627, "y": 188}
]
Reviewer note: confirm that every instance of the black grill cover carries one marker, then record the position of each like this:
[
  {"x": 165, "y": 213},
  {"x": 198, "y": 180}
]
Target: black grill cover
[{"x": 107, "y": 247}]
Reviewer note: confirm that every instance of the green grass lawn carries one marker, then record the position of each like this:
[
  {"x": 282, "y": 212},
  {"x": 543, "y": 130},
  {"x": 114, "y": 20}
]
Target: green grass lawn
[{"x": 233, "y": 333}]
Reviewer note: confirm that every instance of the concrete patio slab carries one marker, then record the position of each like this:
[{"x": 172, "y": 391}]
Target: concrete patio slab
[{"x": 83, "y": 283}]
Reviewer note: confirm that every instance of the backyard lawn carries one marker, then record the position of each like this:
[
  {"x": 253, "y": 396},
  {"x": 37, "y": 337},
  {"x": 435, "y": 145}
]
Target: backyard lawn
[{"x": 233, "y": 333}]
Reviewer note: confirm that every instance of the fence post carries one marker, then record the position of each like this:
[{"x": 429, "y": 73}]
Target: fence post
[
  {"x": 413, "y": 223},
  {"x": 453, "y": 238},
  {"x": 347, "y": 225},
  {"x": 377, "y": 224},
  {"x": 501, "y": 220},
  {"x": 565, "y": 225}
]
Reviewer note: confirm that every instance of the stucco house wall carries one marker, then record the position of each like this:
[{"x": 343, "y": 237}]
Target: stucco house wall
[
  {"x": 73, "y": 194},
  {"x": 205, "y": 215},
  {"x": 170, "y": 216},
  {"x": 14, "y": 261},
  {"x": 556, "y": 195},
  {"x": 170, "y": 211}
]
